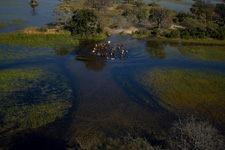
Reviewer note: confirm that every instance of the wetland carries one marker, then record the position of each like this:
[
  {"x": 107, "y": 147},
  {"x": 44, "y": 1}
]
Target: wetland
[{"x": 54, "y": 94}]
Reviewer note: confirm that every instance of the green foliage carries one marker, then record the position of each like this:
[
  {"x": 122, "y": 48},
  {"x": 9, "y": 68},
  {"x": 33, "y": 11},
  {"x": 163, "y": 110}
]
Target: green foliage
[
  {"x": 204, "y": 21},
  {"x": 36, "y": 40},
  {"x": 31, "y": 98},
  {"x": 156, "y": 32},
  {"x": 220, "y": 10},
  {"x": 84, "y": 23},
  {"x": 175, "y": 34},
  {"x": 160, "y": 16},
  {"x": 15, "y": 22},
  {"x": 43, "y": 28},
  {"x": 140, "y": 34}
]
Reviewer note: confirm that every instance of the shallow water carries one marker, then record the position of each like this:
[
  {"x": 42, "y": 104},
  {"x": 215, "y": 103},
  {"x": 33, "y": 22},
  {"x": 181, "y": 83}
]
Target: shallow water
[
  {"x": 37, "y": 16},
  {"x": 106, "y": 101}
]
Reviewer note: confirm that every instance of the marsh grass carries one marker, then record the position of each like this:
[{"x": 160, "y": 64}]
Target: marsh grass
[
  {"x": 188, "y": 91},
  {"x": 205, "y": 53},
  {"x": 31, "y": 98},
  {"x": 36, "y": 40},
  {"x": 11, "y": 54},
  {"x": 204, "y": 50},
  {"x": 15, "y": 22}
]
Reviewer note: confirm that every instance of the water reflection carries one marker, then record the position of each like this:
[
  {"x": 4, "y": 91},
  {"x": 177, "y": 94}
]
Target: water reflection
[
  {"x": 92, "y": 63},
  {"x": 156, "y": 49},
  {"x": 33, "y": 11}
]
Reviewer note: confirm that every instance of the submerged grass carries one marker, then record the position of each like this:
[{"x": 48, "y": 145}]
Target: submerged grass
[
  {"x": 188, "y": 91},
  {"x": 36, "y": 40},
  {"x": 204, "y": 50},
  {"x": 205, "y": 53},
  {"x": 15, "y": 22},
  {"x": 31, "y": 98}
]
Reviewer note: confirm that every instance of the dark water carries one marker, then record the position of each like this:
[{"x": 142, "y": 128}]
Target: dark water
[{"x": 106, "y": 100}]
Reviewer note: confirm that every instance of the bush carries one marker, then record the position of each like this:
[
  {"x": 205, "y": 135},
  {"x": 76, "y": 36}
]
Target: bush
[
  {"x": 43, "y": 29},
  {"x": 192, "y": 134},
  {"x": 175, "y": 34},
  {"x": 221, "y": 33},
  {"x": 156, "y": 32},
  {"x": 185, "y": 35}
]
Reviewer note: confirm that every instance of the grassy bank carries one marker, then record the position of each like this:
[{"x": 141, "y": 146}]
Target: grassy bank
[{"x": 36, "y": 40}]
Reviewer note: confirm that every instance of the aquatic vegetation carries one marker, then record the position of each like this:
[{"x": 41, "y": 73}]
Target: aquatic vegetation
[
  {"x": 31, "y": 98},
  {"x": 11, "y": 54},
  {"x": 203, "y": 52},
  {"x": 36, "y": 40},
  {"x": 187, "y": 91},
  {"x": 15, "y": 22}
]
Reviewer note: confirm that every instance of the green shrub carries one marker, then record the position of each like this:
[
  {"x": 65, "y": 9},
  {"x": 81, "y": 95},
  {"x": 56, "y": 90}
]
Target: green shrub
[
  {"x": 43, "y": 29},
  {"x": 175, "y": 34},
  {"x": 156, "y": 32}
]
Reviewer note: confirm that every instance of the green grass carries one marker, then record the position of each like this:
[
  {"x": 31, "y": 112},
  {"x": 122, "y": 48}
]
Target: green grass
[
  {"x": 31, "y": 98},
  {"x": 15, "y": 22},
  {"x": 203, "y": 52},
  {"x": 36, "y": 40},
  {"x": 188, "y": 91}
]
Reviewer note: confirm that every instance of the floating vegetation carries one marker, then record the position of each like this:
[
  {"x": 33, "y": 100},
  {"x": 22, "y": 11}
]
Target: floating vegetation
[
  {"x": 36, "y": 40},
  {"x": 187, "y": 91},
  {"x": 11, "y": 54},
  {"x": 31, "y": 98},
  {"x": 15, "y": 22}
]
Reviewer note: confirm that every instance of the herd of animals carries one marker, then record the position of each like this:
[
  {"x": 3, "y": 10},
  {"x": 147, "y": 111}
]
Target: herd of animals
[{"x": 106, "y": 51}]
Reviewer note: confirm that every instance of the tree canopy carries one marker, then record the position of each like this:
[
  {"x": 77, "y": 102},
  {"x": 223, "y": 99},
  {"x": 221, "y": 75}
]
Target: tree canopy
[{"x": 84, "y": 23}]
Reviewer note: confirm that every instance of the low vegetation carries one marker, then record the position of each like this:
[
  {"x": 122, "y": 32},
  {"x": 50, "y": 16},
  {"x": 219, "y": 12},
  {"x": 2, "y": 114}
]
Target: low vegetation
[
  {"x": 187, "y": 91},
  {"x": 31, "y": 98},
  {"x": 15, "y": 22},
  {"x": 36, "y": 40},
  {"x": 190, "y": 133}
]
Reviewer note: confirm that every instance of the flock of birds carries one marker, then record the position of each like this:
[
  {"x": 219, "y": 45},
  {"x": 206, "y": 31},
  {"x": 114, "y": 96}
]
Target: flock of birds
[{"x": 104, "y": 50}]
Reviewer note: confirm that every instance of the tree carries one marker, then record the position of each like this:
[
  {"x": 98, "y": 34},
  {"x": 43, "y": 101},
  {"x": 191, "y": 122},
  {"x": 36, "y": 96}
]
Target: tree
[
  {"x": 84, "y": 22},
  {"x": 63, "y": 14},
  {"x": 220, "y": 10},
  {"x": 160, "y": 16},
  {"x": 98, "y": 4},
  {"x": 142, "y": 14},
  {"x": 190, "y": 134}
]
